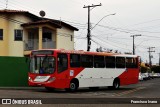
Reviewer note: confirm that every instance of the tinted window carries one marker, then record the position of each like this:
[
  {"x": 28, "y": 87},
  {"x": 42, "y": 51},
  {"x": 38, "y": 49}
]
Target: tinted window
[
  {"x": 1, "y": 34},
  {"x": 62, "y": 62},
  {"x": 71, "y": 38},
  {"x": 110, "y": 61},
  {"x": 99, "y": 62},
  {"x": 18, "y": 35},
  {"x": 75, "y": 60},
  {"x": 42, "y": 65},
  {"x": 120, "y": 62},
  {"x": 87, "y": 61},
  {"x": 131, "y": 62}
]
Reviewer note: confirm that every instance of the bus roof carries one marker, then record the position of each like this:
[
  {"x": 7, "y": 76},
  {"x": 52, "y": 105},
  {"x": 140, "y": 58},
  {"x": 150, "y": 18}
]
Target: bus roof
[{"x": 89, "y": 53}]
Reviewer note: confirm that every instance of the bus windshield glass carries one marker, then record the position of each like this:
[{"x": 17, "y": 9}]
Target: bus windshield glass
[{"x": 42, "y": 64}]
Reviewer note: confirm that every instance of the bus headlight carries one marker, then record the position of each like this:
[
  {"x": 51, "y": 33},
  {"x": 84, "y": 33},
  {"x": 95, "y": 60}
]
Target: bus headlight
[
  {"x": 29, "y": 78},
  {"x": 51, "y": 79}
]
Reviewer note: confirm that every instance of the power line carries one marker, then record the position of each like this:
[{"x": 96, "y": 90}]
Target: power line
[
  {"x": 112, "y": 44},
  {"x": 12, "y": 20},
  {"x": 18, "y": 4},
  {"x": 20, "y": 22},
  {"x": 124, "y": 30},
  {"x": 119, "y": 42},
  {"x": 75, "y": 22}
]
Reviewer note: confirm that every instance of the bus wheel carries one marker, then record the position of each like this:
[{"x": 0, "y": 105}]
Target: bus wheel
[
  {"x": 73, "y": 86},
  {"x": 116, "y": 84},
  {"x": 49, "y": 89}
]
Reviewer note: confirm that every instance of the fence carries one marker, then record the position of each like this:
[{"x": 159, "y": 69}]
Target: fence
[{"x": 13, "y": 72}]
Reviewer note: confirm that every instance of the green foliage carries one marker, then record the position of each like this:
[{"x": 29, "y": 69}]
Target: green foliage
[
  {"x": 145, "y": 69},
  {"x": 156, "y": 69}
]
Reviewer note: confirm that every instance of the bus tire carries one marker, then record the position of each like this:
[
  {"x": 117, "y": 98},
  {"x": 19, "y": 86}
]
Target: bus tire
[
  {"x": 49, "y": 89},
  {"x": 116, "y": 84},
  {"x": 73, "y": 86}
]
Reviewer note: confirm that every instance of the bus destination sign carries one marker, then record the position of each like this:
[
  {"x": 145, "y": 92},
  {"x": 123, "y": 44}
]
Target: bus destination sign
[{"x": 42, "y": 52}]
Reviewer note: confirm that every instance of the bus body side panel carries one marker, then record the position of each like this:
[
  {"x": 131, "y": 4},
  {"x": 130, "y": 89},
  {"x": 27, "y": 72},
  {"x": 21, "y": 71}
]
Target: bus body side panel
[
  {"x": 92, "y": 77},
  {"x": 63, "y": 79},
  {"x": 130, "y": 76}
]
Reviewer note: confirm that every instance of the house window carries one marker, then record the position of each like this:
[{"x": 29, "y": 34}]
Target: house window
[
  {"x": 18, "y": 35},
  {"x": 1, "y": 34},
  {"x": 47, "y": 36},
  {"x": 71, "y": 38}
]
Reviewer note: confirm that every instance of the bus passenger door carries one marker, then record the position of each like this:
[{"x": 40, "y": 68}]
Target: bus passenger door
[
  {"x": 132, "y": 70},
  {"x": 62, "y": 71}
]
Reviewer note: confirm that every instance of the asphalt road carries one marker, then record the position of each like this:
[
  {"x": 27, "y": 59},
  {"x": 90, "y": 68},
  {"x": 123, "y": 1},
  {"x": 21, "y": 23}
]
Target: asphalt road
[{"x": 144, "y": 90}]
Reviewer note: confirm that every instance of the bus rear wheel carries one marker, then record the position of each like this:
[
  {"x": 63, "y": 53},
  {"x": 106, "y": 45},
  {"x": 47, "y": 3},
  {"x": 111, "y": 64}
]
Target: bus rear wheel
[{"x": 116, "y": 84}]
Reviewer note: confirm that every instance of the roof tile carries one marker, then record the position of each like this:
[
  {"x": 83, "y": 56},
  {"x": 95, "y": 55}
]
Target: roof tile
[{"x": 12, "y": 11}]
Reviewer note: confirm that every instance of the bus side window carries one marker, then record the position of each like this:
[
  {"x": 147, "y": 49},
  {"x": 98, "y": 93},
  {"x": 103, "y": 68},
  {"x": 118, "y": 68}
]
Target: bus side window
[
  {"x": 110, "y": 61},
  {"x": 131, "y": 62},
  {"x": 99, "y": 62},
  {"x": 87, "y": 61},
  {"x": 74, "y": 60},
  {"x": 62, "y": 62},
  {"x": 120, "y": 62}
]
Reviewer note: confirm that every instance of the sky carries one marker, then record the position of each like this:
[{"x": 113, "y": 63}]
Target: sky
[{"x": 133, "y": 17}]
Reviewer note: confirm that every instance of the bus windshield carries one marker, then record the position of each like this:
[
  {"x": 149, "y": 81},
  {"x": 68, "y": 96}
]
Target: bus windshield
[{"x": 42, "y": 64}]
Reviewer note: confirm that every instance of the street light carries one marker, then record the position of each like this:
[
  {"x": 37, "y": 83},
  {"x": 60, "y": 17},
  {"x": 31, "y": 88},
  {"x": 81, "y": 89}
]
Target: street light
[{"x": 101, "y": 20}]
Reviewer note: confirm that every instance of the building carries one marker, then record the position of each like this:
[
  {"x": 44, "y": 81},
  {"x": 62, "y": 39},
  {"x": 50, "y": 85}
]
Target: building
[{"x": 22, "y": 31}]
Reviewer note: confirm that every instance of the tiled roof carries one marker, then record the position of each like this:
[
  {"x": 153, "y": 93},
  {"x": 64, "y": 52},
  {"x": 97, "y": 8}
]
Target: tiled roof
[
  {"x": 38, "y": 20},
  {"x": 59, "y": 22},
  {"x": 12, "y": 11},
  {"x": 7, "y": 11},
  {"x": 42, "y": 22}
]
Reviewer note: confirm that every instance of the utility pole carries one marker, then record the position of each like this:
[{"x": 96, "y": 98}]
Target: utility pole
[
  {"x": 150, "y": 57},
  {"x": 159, "y": 59},
  {"x": 6, "y": 4},
  {"x": 89, "y": 30},
  {"x": 133, "y": 42}
]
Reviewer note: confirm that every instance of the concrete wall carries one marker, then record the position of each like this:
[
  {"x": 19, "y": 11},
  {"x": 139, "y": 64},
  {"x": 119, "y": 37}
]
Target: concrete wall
[
  {"x": 16, "y": 48},
  {"x": 64, "y": 38},
  {"x": 4, "y": 42}
]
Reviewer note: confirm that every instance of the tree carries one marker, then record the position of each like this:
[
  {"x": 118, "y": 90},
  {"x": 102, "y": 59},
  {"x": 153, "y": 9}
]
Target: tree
[{"x": 156, "y": 69}]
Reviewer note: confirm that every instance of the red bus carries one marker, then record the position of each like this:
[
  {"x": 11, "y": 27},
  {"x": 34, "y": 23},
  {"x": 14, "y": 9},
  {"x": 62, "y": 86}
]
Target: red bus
[{"x": 70, "y": 69}]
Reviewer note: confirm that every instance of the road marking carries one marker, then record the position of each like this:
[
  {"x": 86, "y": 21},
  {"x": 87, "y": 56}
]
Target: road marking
[{"x": 128, "y": 92}]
